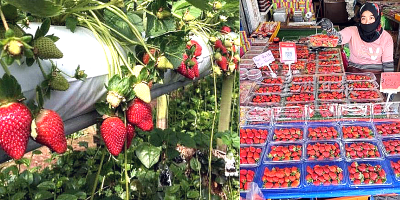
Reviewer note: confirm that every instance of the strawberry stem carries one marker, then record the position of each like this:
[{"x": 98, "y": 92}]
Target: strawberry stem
[
  {"x": 41, "y": 68},
  {"x": 5, "y": 68},
  {"x": 3, "y": 19},
  {"x": 97, "y": 175},
  {"x": 126, "y": 161}
]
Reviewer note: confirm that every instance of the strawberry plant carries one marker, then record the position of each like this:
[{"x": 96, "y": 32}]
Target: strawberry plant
[{"x": 325, "y": 175}]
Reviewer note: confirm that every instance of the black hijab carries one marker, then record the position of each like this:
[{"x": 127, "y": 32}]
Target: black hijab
[{"x": 370, "y": 32}]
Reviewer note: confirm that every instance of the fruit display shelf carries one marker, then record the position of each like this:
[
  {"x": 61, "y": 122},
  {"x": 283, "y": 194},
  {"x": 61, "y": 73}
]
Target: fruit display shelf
[{"x": 319, "y": 167}]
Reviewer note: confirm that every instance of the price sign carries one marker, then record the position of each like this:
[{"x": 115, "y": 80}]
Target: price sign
[
  {"x": 264, "y": 59},
  {"x": 390, "y": 82},
  {"x": 287, "y": 51}
]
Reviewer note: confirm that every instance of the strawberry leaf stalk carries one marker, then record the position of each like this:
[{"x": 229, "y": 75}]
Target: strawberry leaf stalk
[{"x": 15, "y": 118}]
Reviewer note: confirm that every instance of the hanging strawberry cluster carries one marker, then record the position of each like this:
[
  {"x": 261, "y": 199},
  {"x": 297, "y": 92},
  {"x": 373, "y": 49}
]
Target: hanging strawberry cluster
[
  {"x": 189, "y": 66},
  {"x": 225, "y": 55},
  {"x": 18, "y": 122}
]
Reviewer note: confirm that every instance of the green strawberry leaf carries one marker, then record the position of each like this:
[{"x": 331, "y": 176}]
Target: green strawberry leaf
[
  {"x": 123, "y": 27},
  {"x": 39, "y": 97},
  {"x": 10, "y": 90},
  {"x": 40, "y": 8},
  {"x": 195, "y": 164},
  {"x": 113, "y": 83},
  {"x": 104, "y": 109},
  {"x": 47, "y": 185},
  {"x": 180, "y": 5},
  {"x": 43, "y": 29},
  {"x": 67, "y": 197},
  {"x": 71, "y": 23},
  {"x": 202, "y": 5},
  {"x": 148, "y": 154},
  {"x": 43, "y": 194},
  {"x": 18, "y": 195}
]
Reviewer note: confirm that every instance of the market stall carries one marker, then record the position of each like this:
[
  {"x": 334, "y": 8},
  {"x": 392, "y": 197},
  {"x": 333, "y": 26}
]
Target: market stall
[{"x": 309, "y": 129}]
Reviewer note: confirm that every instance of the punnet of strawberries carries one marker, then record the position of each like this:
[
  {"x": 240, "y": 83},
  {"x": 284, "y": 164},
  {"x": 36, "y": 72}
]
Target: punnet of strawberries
[
  {"x": 366, "y": 173},
  {"x": 331, "y": 78},
  {"x": 364, "y": 95},
  {"x": 250, "y": 155},
  {"x": 281, "y": 177},
  {"x": 396, "y": 168},
  {"x": 332, "y": 95},
  {"x": 392, "y": 147},
  {"x": 359, "y": 77},
  {"x": 362, "y": 150},
  {"x": 322, "y": 151},
  {"x": 322, "y": 133},
  {"x": 253, "y": 136},
  {"x": 246, "y": 176},
  {"x": 323, "y": 110},
  {"x": 268, "y": 98},
  {"x": 387, "y": 129},
  {"x": 321, "y": 40},
  {"x": 324, "y": 175},
  {"x": 288, "y": 134},
  {"x": 357, "y": 132},
  {"x": 285, "y": 152}
]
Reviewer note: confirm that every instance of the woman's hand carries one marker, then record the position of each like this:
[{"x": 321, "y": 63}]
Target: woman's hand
[{"x": 326, "y": 24}]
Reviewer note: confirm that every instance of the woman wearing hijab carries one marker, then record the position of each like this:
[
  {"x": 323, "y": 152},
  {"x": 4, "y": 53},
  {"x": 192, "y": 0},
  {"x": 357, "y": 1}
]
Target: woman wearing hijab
[{"x": 371, "y": 47}]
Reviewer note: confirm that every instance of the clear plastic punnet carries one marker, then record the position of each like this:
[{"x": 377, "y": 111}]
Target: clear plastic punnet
[
  {"x": 267, "y": 88},
  {"x": 395, "y": 167},
  {"x": 322, "y": 131},
  {"x": 357, "y": 131},
  {"x": 296, "y": 114},
  {"x": 363, "y": 150},
  {"x": 388, "y": 128},
  {"x": 365, "y": 96},
  {"x": 279, "y": 152},
  {"x": 259, "y": 114},
  {"x": 322, "y": 111},
  {"x": 391, "y": 147},
  {"x": 369, "y": 174},
  {"x": 264, "y": 100},
  {"x": 287, "y": 133},
  {"x": 324, "y": 150},
  {"x": 355, "y": 112},
  {"x": 322, "y": 40},
  {"x": 325, "y": 175},
  {"x": 267, "y": 176},
  {"x": 251, "y": 155},
  {"x": 329, "y": 86},
  {"x": 367, "y": 76},
  {"x": 328, "y": 69},
  {"x": 362, "y": 85},
  {"x": 247, "y": 175},
  {"x": 249, "y": 56},
  {"x": 385, "y": 111},
  {"x": 254, "y": 135}
]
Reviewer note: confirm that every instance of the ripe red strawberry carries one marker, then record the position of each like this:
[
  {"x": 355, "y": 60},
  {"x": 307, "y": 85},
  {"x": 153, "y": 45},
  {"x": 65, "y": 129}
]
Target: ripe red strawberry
[
  {"x": 195, "y": 67},
  {"x": 113, "y": 132},
  {"x": 188, "y": 71},
  {"x": 198, "y": 48},
  {"x": 223, "y": 63},
  {"x": 218, "y": 45},
  {"x": 146, "y": 56},
  {"x": 50, "y": 131},
  {"x": 15, "y": 126},
  {"x": 139, "y": 114},
  {"x": 225, "y": 30},
  {"x": 130, "y": 134}
]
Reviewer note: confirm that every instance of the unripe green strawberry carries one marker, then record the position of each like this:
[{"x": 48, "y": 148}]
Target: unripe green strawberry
[
  {"x": 236, "y": 42},
  {"x": 45, "y": 48},
  {"x": 228, "y": 43},
  {"x": 58, "y": 82},
  {"x": 15, "y": 126},
  {"x": 113, "y": 98},
  {"x": 142, "y": 91},
  {"x": 164, "y": 63},
  {"x": 50, "y": 131},
  {"x": 139, "y": 114},
  {"x": 136, "y": 70},
  {"x": 14, "y": 47},
  {"x": 232, "y": 66},
  {"x": 163, "y": 14},
  {"x": 217, "y": 56},
  {"x": 213, "y": 39},
  {"x": 113, "y": 132}
]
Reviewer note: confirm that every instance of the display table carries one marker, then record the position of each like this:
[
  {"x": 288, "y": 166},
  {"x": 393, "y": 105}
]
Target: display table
[{"x": 76, "y": 105}]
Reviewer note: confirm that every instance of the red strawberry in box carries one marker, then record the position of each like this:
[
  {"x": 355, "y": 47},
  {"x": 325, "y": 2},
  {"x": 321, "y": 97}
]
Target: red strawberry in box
[
  {"x": 323, "y": 151},
  {"x": 322, "y": 133},
  {"x": 246, "y": 176},
  {"x": 387, "y": 129},
  {"x": 392, "y": 147},
  {"x": 288, "y": 134},
  {"x": 396, "y": 168},
  {"x": 357, "y": 150},
  {"x": 357, "y": 132},
  {"x": 366, "y": 173},
  {"x": 285, "y": 152},
  {"x": 281, "y": 177},
  {"x": 250, "y": 155},
  {"x": 253, "y": 136},
  {"x": 325, "y": 175}
]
